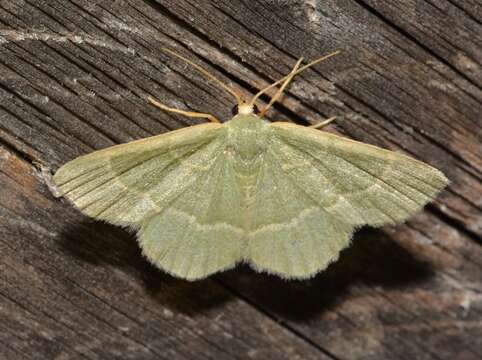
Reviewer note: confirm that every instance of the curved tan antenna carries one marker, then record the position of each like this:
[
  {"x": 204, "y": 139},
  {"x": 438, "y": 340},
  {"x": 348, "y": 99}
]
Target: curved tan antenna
[
  {"x": 192, "y": 114},
  {"x": 282, "y": 88},
  {"x": 203, "y": 71},
  {"x": 291, "y": 75}
]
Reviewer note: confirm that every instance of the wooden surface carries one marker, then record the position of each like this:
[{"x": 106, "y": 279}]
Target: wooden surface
[{"x": 74, "y": 76}]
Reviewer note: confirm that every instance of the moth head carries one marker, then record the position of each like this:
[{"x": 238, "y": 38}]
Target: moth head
[{"x": 244, "y": 109}]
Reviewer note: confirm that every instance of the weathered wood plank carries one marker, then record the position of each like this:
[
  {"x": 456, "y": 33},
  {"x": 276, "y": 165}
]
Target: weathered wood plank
[
  {"x": 74, "y": 77},
  {"x": 446, "y": 28}
]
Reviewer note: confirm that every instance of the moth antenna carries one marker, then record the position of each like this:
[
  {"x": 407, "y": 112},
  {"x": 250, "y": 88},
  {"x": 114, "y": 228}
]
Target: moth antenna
[
  {"x": 192, "y": 114},
  {"x": 291, "y": 75},
  {"x": 203, "y": 71},
  {"x": 281, "y": 89}
]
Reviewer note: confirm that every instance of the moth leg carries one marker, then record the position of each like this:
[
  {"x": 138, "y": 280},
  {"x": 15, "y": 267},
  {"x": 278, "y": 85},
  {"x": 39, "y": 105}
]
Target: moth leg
[
  {"x": 322, "y": 124},
  {"x": 192, "y": 114}
]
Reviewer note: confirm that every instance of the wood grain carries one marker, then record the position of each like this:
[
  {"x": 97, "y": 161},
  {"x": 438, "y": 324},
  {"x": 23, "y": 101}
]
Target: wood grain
[{"x": 74, "y": 77}]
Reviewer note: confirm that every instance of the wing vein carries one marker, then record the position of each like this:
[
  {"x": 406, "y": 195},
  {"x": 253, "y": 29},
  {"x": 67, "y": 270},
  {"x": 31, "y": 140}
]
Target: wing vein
[
  {"x": 143, "y": 162},
  {"x": 383, "y": 181},
  {"x": 278, "y": 162},
  {"x": 316, "y": 201},
  {"x": 80, "y": 175},
  {"x": 214, "y": 166},
  {"x": 355, "y": 208},
  {"x": 320, "y": 161}
]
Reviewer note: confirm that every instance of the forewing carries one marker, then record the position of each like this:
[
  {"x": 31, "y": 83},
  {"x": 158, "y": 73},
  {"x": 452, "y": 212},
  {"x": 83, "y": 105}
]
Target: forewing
[
  {"x": 127, "y": 183},
  {"x": 201, "y": 232},
  {"x": 354, "y": 182}
]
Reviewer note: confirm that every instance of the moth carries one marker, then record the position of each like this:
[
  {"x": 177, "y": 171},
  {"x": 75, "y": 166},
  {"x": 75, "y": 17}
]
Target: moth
[{"x": 281, "y": 197}]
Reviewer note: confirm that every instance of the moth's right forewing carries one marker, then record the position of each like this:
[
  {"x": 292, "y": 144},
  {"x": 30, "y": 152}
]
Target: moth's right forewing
[
  {"x": 126, "y": 183},
  {"x": 356, "y": 182}
]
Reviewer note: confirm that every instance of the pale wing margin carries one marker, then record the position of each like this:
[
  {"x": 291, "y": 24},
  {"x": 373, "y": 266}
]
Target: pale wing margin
[
  {"x": 126, "y": 183},
  {"x": 356, "y": 182}
]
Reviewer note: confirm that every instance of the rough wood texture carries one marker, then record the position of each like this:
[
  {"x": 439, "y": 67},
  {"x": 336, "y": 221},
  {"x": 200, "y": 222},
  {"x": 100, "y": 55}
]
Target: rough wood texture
[{"x": 74, "y": 76}]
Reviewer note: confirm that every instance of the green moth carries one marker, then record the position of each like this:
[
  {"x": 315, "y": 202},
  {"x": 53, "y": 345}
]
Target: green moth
[{"x": 282, "y": 197}]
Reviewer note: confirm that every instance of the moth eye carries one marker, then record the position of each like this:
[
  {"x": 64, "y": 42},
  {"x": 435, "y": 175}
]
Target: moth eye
[{"x": 255, "y": 109}]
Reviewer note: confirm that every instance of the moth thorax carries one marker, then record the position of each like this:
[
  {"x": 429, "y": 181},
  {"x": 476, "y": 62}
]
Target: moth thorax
[{"x": 245, "y": 109}]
